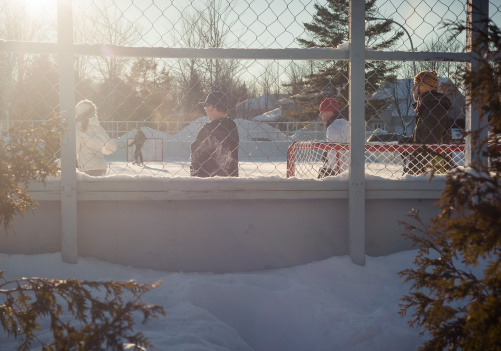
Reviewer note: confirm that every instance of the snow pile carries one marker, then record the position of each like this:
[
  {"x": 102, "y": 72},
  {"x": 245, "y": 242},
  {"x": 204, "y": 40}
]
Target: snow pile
[
  {"x": 247, "y": 130},
  {"x": 254, "y": 107},
  {"x": 190, "y": 132},
  {"x": 322, "y": 306},
  {"x": 270, "y": 116},
  {"x": 311, "y": 132},
  {"x": 250, "y": 130}
]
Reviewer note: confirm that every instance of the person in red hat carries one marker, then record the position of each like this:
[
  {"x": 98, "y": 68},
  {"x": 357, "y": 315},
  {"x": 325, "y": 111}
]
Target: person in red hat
[{"x": 338, "y": 131}]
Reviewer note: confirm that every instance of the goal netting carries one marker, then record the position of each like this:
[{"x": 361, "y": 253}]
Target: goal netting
[
  {"x": 152, "y": 150},
  {"x": 310, "y": 160},
  {"x": 306, "y": 159}
]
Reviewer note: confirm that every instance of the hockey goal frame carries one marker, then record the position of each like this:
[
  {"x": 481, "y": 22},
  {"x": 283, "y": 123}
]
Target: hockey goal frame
[{"x": 373, "y": 148}]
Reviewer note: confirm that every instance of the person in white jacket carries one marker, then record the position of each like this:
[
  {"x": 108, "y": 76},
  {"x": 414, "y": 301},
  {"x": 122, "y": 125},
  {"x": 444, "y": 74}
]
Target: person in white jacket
[
  {"x": 92, "y": 141},
  {"x": 338, "y": 131}
]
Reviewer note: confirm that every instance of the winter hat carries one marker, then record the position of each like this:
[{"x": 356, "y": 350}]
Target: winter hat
[
  {"x": 218, "y": 99},
  {"x": 329, "y": 104},
  {"x": 85, "y": 108},
  {"x": 428, "y": 78}
]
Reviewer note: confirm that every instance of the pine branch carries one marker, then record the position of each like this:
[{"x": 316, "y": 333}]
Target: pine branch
[{"x": 98, "y": 322}]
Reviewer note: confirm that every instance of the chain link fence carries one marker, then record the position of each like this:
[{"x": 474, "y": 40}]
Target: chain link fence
[{"x": 273, "y": 102}]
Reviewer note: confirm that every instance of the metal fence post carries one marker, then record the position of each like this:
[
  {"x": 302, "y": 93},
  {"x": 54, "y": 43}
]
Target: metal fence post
[
  {"x": 68, "y": 148},
  {"x": 356, "y": 197},
  {"x": 477, "y": 13}
]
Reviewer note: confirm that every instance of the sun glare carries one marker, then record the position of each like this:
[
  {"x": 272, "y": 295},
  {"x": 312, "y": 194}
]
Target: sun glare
[{"x": 40, "y": 7}]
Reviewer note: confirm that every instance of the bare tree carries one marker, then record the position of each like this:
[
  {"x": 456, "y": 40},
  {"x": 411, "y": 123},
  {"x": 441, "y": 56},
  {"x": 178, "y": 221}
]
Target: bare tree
[
  {"x": 269, "y": 80},
  {"x": 112, "y": 28},
  {"x": 212, "y": 28},
  {"x": 85, "y": 72},
  {"x": 16, "y": 24},
  {"x": 190, "y": 87},
  {"x": 295, "y": 72},
  {"x": 209, "y": 26},
  {"x": 443, "y": 68},
  {"x": 401, "y": 95},
  {"x": 106, "y": 25}
]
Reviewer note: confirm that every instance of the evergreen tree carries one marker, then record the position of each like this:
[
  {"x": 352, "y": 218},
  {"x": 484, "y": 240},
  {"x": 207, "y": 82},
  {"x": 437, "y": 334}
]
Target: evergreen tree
[
  {"x": 330, "y": 28},
  {"x": 154, "y": 99},
  {"x": 102, "y": 313},
  {"x": 456, "y": 285}
]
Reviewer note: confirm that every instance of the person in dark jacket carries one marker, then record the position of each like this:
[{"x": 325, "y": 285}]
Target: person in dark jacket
[
  {"x": 432, "y": 121},
  {"x": 432, "y": 125},
  {"x": 214, "y": 153},
  {"x": 139, "y": 140}
]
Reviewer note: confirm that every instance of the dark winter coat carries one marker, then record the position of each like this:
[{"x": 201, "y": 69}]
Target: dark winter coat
[
  {"x": 139, "y": 139},
  {"x": 432, "y": 121},
  {"x": 215, "y": 150}
]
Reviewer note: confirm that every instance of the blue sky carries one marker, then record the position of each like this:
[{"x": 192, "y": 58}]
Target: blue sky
[{"x": 267, "y": 23}]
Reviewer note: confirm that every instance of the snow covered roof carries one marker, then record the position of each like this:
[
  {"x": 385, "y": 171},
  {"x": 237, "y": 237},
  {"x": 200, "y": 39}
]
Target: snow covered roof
[
  {"x": 402, "y": 88},
  {"x": 291, "y": 99},
  {"x": 405, "y": 109}
]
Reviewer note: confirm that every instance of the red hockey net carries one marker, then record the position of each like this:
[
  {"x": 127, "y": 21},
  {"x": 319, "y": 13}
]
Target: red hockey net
[{"x": 307, "y": 159}]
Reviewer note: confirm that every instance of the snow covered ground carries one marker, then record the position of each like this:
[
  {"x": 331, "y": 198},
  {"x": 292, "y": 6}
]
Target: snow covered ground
[
  {"x": 255, "y": 169},
  {"x": 182, "y": 169},
  {"x": 322, "y": 306}
]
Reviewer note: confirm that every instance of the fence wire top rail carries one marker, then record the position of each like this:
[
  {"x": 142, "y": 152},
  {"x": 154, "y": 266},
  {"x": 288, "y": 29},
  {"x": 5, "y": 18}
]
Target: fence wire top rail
[{"x": 108, "y": 50}]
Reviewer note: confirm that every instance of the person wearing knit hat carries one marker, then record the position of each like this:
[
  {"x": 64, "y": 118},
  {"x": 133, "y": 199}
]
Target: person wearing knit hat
[
  {"x": 214, "y": 152},
  {"x": 432, "y": 123},
  {"x": 92, "y": 141},
  {"x": 329, "y": 104},
  {"x": 425, "y": 81},
  {"x": 432, "y": 120},
  {"x": 338, "y": 131}
]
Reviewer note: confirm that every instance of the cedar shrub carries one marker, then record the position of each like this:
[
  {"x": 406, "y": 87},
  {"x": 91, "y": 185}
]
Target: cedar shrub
[
  {"x": 455, "y": 292},
  {"x": 81, "y": 315}
]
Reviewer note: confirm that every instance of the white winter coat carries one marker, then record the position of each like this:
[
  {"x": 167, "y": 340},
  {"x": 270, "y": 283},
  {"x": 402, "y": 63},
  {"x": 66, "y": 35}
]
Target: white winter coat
[
  {"x": 338, "y": 132},
  {"x": 92, "y": 145}
]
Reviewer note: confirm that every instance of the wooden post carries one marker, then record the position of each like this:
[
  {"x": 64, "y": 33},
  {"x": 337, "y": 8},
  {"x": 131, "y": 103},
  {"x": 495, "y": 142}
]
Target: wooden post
[
  {"x": 68, "y": 147},
  {"x": 356, "y": 198}
]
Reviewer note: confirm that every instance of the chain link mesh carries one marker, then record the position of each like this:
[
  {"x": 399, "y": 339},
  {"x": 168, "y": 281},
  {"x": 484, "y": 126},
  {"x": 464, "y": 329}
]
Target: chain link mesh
[{"x": 274, "y": 103}]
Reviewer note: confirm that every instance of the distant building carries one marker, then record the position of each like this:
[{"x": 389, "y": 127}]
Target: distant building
[{"x": 398, "y": 117}]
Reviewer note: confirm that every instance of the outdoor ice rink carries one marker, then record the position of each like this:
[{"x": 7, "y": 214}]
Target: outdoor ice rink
[
  {"x": 248, "y": 169},
  {"x": 182, "y": 169}
]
